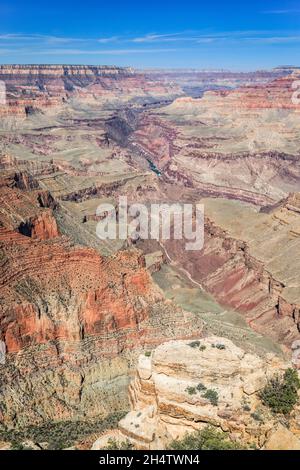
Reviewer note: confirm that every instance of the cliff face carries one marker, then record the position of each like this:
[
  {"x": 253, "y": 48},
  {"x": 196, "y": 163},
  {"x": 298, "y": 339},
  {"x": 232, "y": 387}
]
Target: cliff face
[
  {"x": 37, "y": 88},
  {"x": 72, "y": 321},
  {"x": 169, "y": 396},
  {"x": 59, "y": 70},
  {"x": 277, "y": 94},
  {"x": 42, "y": 227},
  {"x": 250, "y": 263}
]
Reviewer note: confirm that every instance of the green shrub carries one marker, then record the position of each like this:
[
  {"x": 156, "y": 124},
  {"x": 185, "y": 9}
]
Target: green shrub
[
  {"x": 253, "y": 446},
  {"x": 200, "y": 387},
  {"x": 246, "y": 407},
  {"x": 112, "y": 444},
  {"x": 17, "y": 446},
  {"x": 191, "y": 390},
  {"x": 220, "y": 346},
  {"x": 61, "y": 434},
  {"x": 292, "y": 378},
  {"x": 281, "y": 393},
  {"x": 208, "y": 438},
  {"x": 147, "y": 353},
  {"x": 57, "y": 444},
  {"x": 197, "y": 344},
  {"x": 212, "y": 396},
  {"x": 256, "y": 416}
]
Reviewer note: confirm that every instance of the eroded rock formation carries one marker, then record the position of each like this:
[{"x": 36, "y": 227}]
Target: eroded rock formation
[
  {"x": 72, "y": 321},
  {"x": 250, "y": 262},
  {"x": 184, "y": 386},
  {"x": 32, "y": 89},
  {"x": 237, "y": 144}
]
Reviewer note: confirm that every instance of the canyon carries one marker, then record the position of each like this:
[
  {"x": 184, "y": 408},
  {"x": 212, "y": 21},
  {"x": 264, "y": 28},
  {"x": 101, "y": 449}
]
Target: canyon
[{"x": 78, "y": 315}]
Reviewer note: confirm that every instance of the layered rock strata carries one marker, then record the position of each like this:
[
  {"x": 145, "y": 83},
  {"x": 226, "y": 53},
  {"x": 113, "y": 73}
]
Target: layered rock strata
[
  {"x": 250, "y": 262},
  {"x": 37, "y": 88},
  {"x": 237, "y": 144},
  {"x": 72, "y": 321}
]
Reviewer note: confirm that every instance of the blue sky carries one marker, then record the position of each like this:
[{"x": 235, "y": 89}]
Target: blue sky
[{"x": 194, "y": 34}]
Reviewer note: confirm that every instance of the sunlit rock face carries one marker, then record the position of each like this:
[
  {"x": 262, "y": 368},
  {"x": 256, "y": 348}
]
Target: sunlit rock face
[
  {"x": 250, "y": 262},
  {"x": 72, "y": 321},
  {"x": 34, "y": 89},
  {"x": 184, "y": 386}
]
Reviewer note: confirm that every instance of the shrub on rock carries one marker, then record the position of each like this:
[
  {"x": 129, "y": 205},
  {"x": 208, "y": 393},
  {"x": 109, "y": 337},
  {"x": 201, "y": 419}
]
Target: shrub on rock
[{"x": 281, "y": 393}]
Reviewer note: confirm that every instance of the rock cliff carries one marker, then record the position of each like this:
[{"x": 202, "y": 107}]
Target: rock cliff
[
  {"x": 237, "y": 144},
  {"x": 32, "y": 89},
  {"x": 72, "y": 321},
  {"x": 184, "y": 386},
  {"x": 250, "y": 262}
]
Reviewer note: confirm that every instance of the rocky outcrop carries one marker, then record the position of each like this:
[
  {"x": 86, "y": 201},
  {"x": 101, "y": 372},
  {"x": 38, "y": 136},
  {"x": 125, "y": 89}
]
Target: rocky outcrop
[
  {"x": 197, "y": 82},
  {"x": 201, "y": 166},
  {"x": 238, "y": 144},
  {"x": 75, "y": 312},
  {"x": 70, "y": 344},
  {"x": 184, "y": 386},
  {"x": 60, "y": 70},
  {"x": 274, "y": 94},
  {"x": 281, "y": 438},
  {"x": 277, "y": 94},
  {"x": 72, "y": 321},
  {"x": 42, "y": 227}
]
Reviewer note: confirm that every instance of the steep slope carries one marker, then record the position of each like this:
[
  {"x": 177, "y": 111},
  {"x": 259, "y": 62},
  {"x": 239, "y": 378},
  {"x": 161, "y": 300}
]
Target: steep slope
[
  {"x": 72, "y": 321},
  {"x": 250, "y": 262},
  {"x": 76, "y": 312}
]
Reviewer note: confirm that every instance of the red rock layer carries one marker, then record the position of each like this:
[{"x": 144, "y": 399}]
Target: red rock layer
[
  {"x": 237, "y": 280},
  {"x": 46, "y": 86},
  {"x": 279, "y": 93},
  {"x": 72, "y": 321},
  {"x": 108, "y": 293}
]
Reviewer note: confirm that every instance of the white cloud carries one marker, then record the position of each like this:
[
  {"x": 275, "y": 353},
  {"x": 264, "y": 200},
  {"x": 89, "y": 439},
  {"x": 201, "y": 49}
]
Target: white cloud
[
  {"x": 262, "y": 36},
  {"x": 38, "y": 38},
  {"x": 42, "y": 44},
  {"x": 152, "y": 37},
  {"x": 282, "y": 12},
  {"x": 108, "y": 40},
  {"x": 276, "y": 40},
  {"x": 103, "y": 51}
]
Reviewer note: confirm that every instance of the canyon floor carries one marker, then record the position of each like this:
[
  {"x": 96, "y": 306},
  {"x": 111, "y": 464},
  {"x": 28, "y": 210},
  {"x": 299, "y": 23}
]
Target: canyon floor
[{"x": 76, "y": 312}]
